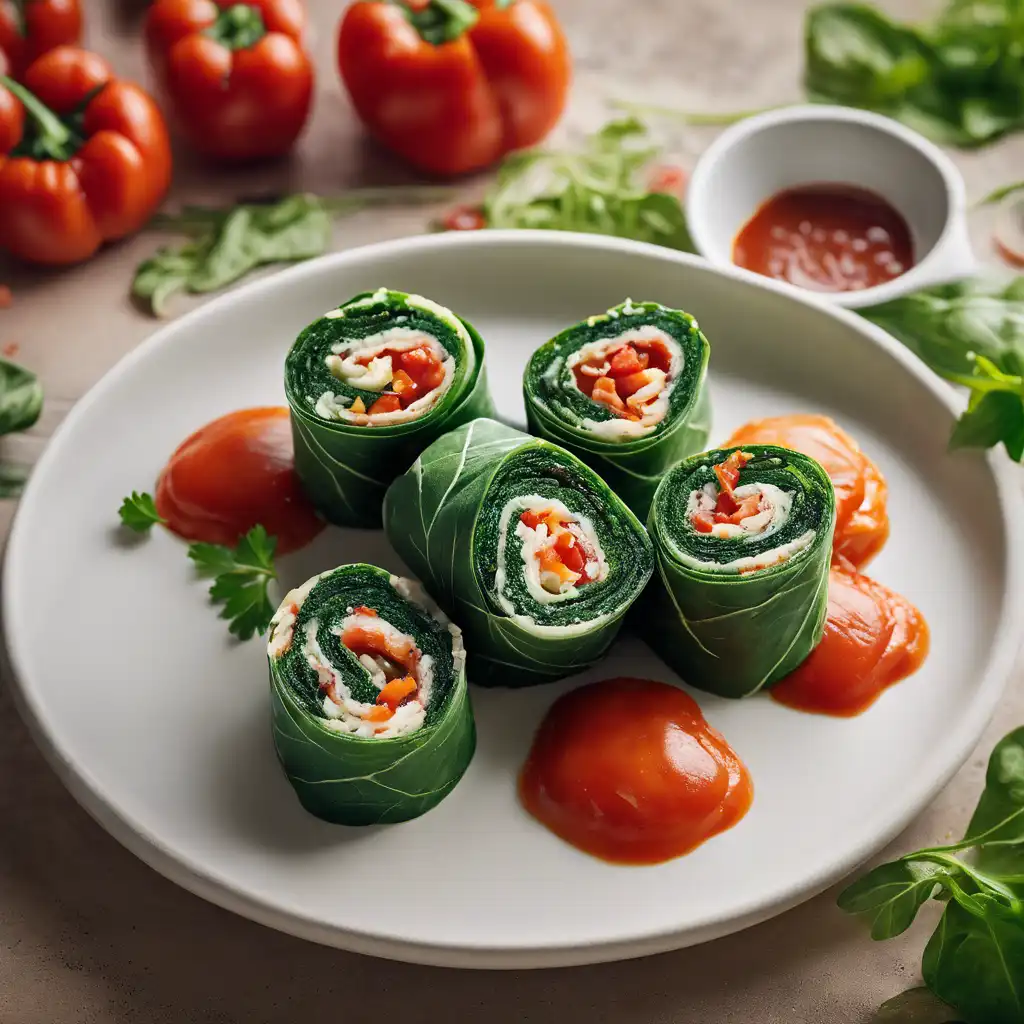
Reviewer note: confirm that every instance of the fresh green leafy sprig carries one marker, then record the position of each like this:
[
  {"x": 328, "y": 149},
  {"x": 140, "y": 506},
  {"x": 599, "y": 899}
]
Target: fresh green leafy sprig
[
  {"x": 21, "y": 402},
  {"x": 597, "y": 189},
  {"x": 958, "y": 79},
  {"x": 225, "y": 244},
  {"x": 971, "y": 333},
  {"x": 242, "y": 576},
  {"x": 975, "y": 959},
  {"x": 138, "y": 512}
]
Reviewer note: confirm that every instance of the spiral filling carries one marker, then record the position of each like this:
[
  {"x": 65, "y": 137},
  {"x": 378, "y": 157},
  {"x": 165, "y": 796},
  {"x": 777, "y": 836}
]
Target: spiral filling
[
  {"x": 406, "y": 368},
  {"x": 631, "y": 375},
  {"x": 560, "y": 550}
]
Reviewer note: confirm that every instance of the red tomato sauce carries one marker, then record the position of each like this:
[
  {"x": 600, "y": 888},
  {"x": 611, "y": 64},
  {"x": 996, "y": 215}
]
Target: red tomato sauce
[
  {"x": 873, "y": 638},
  {"x": 628, "y": 770},
  {"x": 234, "y": 473},
  {"x": 826, "y": 238},
  {"x": 862, "y": 518}
]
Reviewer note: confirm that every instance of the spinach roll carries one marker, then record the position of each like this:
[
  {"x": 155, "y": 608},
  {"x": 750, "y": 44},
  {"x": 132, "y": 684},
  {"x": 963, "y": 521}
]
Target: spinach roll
[
  {"x": 370, "y": 385},
  {"x": 742, "y": 540},
  {"x": 525, "y": 545},
  {"x": 625, "y": 392},
  {"x": 371, "y": 718}
]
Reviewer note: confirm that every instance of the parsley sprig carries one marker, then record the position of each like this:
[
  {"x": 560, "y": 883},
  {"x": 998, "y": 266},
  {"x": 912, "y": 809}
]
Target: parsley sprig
[
  {"x": 241, "y": 578},
  {"x": 138, "y": 512}
]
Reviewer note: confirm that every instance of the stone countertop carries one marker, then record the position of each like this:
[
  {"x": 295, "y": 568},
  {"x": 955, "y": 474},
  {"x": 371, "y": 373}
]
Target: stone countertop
[{"x": 88, "y": 933}]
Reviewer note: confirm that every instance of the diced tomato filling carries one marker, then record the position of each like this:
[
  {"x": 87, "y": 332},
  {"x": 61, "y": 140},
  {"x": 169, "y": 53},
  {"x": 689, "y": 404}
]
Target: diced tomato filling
[
  {"x": 416, "y": 372},
  {"x": 727, "y": 509},
  {"x": 567, "y": 553},
  {"x": 612, "y": 379},
  {"x": 401, "y": 659}
]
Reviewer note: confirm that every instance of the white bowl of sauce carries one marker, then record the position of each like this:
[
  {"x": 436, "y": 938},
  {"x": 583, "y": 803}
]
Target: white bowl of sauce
[{"x": 842, "y": 202}]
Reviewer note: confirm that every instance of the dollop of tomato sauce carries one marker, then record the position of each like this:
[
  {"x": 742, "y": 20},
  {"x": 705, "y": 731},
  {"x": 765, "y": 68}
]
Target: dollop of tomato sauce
[
  {"x": 628, "y": 770},
  {"x": 862, "y": 518},
  {"x": 233, "y": 473},
  {"x": 619, "y": 382},
  {"x": 873, "y": 638},
  {"x": 826, "y": 238}
]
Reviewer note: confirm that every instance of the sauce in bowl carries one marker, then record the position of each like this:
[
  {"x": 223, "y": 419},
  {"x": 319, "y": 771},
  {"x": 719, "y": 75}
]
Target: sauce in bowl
[{"x": 826, "y": 238}]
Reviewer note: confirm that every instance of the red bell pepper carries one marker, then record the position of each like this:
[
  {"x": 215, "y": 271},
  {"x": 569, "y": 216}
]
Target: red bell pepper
[
  {"x": 235, "y": 73},
  {"x": 453, "y": 85},
  {"x": 29, "y": 28},
  {"x": 84, "y": 158}
]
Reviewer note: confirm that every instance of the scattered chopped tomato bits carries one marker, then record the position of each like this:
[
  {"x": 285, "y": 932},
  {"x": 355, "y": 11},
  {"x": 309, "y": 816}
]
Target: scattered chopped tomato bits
[
  {"x": 613, "y": 378},
  {"x": 10, "y": 350},
  {"x": 464, "y": 218},
  {"x": 566, "y": 557},
  {"x": 728, "y": 472},
  {"x": 668, "y": 178},
  {"x": 727, "y": 509},
  {"x": 6, "y": 297},
  {"x": 387, "y": 402}
]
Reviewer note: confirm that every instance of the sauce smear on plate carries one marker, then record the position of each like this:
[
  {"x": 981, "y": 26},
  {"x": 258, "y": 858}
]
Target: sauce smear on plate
[
  {"x": 233, "y": 473},
  {"x": 628, "y": 770},
  {"x": 826, "y": 238},
  {"x": 873, "y": 638},
  {"x": 862, "y": 519}
]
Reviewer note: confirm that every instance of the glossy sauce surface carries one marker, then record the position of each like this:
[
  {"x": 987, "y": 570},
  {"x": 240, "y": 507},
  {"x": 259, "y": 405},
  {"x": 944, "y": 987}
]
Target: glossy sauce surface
[
  {"x": 628, "y": 770},
  {"x": 234, "y": 473},
  {"x": 873, "y": 638},
  {"x": 826, "y": 238},
  {"x": 862, "y": 518}
]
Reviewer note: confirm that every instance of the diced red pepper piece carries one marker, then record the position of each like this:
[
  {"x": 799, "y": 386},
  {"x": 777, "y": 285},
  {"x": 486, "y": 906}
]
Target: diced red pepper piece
[
  {"x": 378, "y": 713},
  {"x": 624, "y": 362},
  {"x": 361, "y": 609},
  {"x": 702, "y": 522},
  {"x": 396, "y": 691},
  {"x": 728, "y": 472},
  {"x": 387, "y": 402}
]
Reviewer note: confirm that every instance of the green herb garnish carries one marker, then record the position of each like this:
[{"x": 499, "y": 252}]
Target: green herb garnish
[
  {"x": 241, "y": 578},
  {"x": 598, "y": 189},
  {"x": 227, "y": 243},
  {"x": 971, "y": 333},
  {"x": 138, "y": 512},
  {"x": 958, "y": 79},
  {"x": 21, "y": 402},
  {"x": 975, "y": 959}
]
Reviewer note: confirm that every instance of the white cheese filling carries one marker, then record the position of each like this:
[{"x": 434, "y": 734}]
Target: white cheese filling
[
  {"x": 773, "y": 511},
  {"x": 651, "y": 401},
  {"x": 544, "y": 588},
  {"x": 360, "y": 364},
  {"x": 345, "y": 714}
]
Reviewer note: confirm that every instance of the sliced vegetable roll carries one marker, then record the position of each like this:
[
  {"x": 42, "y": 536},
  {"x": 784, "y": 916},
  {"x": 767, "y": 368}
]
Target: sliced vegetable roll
[
  {"x": 743, "y": 539},
  {"x": 625, "y": 392},
  {"x": 370, "y": 384},
  {"x": 371, "y": 717},
  {"x": 525, "y": 545}
]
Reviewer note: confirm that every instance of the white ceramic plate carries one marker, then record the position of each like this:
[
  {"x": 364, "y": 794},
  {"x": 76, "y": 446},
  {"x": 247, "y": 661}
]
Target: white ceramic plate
[{"x": 160, "y": 725}]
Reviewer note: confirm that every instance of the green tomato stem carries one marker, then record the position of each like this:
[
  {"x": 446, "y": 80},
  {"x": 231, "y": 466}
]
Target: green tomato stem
[
  {"x": 54, "y": 138},
  {"x": 238, "y": 27},
  {"x": 439, "y": 21}
]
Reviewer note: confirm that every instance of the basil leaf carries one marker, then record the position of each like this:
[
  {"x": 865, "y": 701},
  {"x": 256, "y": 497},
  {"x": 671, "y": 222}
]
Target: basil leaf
[
  {"x": 976, "y": 964},
  {"x": 21, "y": 397},
  {"x": 997, "y": 417},
  {"x": 165, "y": 274},
  {"x": 891, "y": 895},
  {"x": 915, "y": 1006}
]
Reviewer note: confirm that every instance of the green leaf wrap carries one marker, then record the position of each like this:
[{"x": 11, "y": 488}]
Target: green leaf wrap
[
  {"x": 732, "y": 632},
  {"x": 443, "y": 518},
  {"x": 558, "y": 410},
  {"x": 346, "y": 468},
  {"x": 356, "y": 780}
]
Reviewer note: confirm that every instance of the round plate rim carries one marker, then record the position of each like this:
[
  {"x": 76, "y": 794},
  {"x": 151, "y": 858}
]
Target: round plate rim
[{"x": 197, "y": 879}]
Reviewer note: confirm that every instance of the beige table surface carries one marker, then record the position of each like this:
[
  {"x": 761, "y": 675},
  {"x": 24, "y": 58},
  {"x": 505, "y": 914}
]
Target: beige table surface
[{"x": 88, "y": 933}]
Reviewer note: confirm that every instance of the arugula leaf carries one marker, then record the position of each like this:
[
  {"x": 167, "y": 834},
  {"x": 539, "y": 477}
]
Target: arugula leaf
[
  {"x": 21, "y": 398},
  {"x": 971, "y": 333},
  {"x": 138, "y": 512},
  {"x": 975, "y": 959},
  {"x": 596, "y": 189},
  {"x": 225, "y": 244},
  {"x": 959, "y": 79},
  {"x": 242, "y": 576}
]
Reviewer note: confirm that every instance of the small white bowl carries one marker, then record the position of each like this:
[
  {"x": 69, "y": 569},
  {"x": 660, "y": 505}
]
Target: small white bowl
[{"x": 765, "y": 154}]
